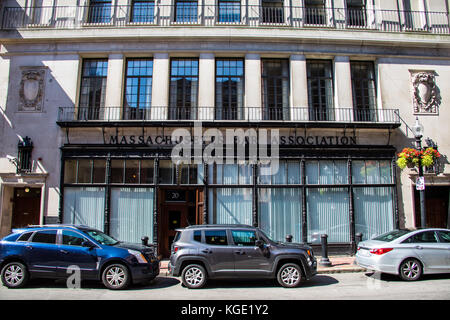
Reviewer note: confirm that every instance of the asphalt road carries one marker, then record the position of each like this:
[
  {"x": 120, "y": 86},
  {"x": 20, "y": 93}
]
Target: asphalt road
[{"x": 338, "y": 286}]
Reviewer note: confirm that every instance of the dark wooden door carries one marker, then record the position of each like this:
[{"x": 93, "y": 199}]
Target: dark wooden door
[
  {"x": 26, "y": 207},
  {"x": 173, "y": 217},
  {"x": 437, "y": 207}
]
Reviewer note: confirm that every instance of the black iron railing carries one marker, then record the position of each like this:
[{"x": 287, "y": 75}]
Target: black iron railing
[
  {"x": 161, "y": 113},
  {"x": 224, "y": 13}
]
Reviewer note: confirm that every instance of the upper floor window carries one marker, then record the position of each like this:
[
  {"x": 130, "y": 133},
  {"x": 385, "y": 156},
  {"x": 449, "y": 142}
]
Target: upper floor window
[
  {"x": 275, "y": 89},
  {"x": 183, "y": 88},
  {"x": 363, "y": 88},
  {"x": 229, "y": 89},
  {"x": 272, "y": 11},
  {"x": 356, "y": 13},
  {"x": 230, "y": 11},
  {"x": 314, "y": 12},
  {"x": 99, "y": 11},
  {"x": 320, "y": 90},
  {"x": 138, "y": 88},
  {"x": 143, "y": 11},
  {"x": 93, "y": 88},
  {"x": 186, "y": 11}
]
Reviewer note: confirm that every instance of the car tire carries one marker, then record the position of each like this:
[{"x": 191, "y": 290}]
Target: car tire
[
  {"x": 193, "y": 276},
  {"x": 14, "y": 275},
  {"x": 289, "y": 275},
  {"x": 116, "y": 276},
  {"x": 410, "y": 269}
]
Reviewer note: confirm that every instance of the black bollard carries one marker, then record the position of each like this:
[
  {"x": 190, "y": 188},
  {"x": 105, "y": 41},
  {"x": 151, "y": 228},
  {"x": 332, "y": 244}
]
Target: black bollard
[
  {"x": 324, "y": 261},
  {"x": 289, "y": 238},
  {"x": 358, "y": 238},
  {"x": 144, "y": 241}
]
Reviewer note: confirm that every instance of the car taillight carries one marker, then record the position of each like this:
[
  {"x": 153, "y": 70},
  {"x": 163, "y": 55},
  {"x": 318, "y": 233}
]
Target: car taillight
[
  {"x": 381, "y": 251},
  {"x": 175, "y": 249}
]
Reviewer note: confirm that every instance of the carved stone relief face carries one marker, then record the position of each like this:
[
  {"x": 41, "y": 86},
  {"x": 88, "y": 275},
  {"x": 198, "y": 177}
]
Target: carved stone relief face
[
  {"x": 31, "y": 91},
  {"x": 426, "y": 97}
]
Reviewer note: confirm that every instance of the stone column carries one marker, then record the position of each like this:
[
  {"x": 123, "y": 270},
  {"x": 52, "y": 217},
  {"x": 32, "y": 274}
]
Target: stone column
[
  {"x": 299, "y": 88},
  {"x": 343, "y": 89},
  {"x": 253, "y": 100},
  {"x": 114, "y": 88},
  {"x": 160, "y": 86},
  {"x": 206, "y": 84}
]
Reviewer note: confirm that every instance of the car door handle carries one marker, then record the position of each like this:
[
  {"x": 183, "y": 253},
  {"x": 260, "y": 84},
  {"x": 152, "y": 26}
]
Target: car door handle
[
  {"x": 64, "y": 251},
  {"x": 239, "y": 252},
  {"x": 29, "y": 247},
  {"x": 419, "y": 247},
  {"x": 207, "y": 251}
]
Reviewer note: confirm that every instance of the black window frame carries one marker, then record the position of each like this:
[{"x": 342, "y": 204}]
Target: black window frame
[
  {"x": 275, "y": 102},
  {"x": 320, "y": 102},
  {"x": 90, "y": 109},
  {"x": 138, "y": 6},
  {"x": 227, "y": 105},
  {"x": 137, "y": 109},
  {"x": 364, "y": 90},
  {"x": 183, "y": 100},
  {"x": 100, "y": 11}
]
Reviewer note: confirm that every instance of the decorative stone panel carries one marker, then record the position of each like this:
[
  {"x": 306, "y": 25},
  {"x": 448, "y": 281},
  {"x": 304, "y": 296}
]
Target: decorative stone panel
[
  {"x": 32, "y": 88},
  {"x": 425, "y": 93}
]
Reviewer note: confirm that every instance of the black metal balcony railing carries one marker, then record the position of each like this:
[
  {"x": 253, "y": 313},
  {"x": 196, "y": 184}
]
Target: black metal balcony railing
[
  {"x": 224, "y": 13},
  {"x": 247, "y": 114}
]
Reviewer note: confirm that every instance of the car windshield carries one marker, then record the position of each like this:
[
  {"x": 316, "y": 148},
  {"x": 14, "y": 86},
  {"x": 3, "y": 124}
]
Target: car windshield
[
  {"x": 391, "y": 235},
  {"x": 101, "y": 237}
]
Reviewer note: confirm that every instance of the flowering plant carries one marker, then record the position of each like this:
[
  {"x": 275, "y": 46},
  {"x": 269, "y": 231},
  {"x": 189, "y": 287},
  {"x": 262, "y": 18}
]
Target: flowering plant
[{"x": 413, "y": 158}]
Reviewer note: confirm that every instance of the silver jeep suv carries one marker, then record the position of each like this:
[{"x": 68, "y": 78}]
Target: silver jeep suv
[{"x": 237, "y": 251}]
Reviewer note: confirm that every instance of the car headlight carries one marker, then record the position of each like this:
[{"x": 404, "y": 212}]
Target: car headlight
[{"x": 138, "y": 255}]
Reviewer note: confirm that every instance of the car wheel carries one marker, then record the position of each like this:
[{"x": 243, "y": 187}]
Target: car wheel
[
  {"x": 194, "y": 276},
  {"x": 410, "y": 270},
  {"x": 15, "y": 275},
  {"x": 289, "y": 275},
  {"x": 116, "y": 277}
]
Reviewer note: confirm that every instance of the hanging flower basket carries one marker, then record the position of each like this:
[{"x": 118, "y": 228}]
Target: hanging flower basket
[{"x": 410, "y": 157}]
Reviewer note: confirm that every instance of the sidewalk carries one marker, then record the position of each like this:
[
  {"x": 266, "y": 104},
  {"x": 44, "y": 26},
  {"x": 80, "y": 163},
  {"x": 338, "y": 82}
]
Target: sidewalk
[{"x": 339, "y": 264}]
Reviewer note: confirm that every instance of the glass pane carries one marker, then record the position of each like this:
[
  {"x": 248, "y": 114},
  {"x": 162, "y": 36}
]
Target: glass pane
[
  {"x": 373, "y": 211},
  {"x": 132, "y": 171},
  {"x": 244, "y": 238},
  {"x": 84, "y": 171},
  {"x": 385, "y": 171},
  {"x": 117, "y": 171},
  {"x": 84, "y": 206},
  {"x": 216, "y": 237},
  {"x": 230, "y": 206},
  {"x": 358, "y": 172},
  {"x": 72, "y": 238},
  {"x": 294, "y": 176},
  {"x": 280, "y": 177},
  {"x": 312, "y": 172},
  {"x": 99, "y": 171},
  {"x": 47, "y": 236},
  {"x": 230, "y": 173},
  {"x": 131, "y": 214},
  {"x": 70, "y": 171},
  {"x": 166, "y": 172},
  {"x": 328, "y": 213},
  {"x": 147, "y": 167},
  {"x": 280, "y": 213},
  {"x": 372, "y": 172}
]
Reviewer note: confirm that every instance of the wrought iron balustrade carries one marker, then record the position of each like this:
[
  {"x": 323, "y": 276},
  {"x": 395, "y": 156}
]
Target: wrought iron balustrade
[
  {"x": 247, "y": 114},
  {"x": 231, "y": 13}
]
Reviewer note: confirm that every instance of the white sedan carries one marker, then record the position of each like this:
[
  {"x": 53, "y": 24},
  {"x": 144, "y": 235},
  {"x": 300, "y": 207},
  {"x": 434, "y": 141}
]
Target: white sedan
[{"x": 407, "y": 253}]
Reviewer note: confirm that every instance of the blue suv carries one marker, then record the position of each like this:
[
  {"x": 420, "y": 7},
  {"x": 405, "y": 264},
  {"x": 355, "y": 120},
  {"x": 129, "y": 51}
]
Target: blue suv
[{"x": 53, "y": 251}]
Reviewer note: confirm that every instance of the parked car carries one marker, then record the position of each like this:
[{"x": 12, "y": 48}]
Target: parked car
[
  {"x": 49, "y": 251},
  {"x": 237, "y": 251},
  {"x": 407, "y": 253}
]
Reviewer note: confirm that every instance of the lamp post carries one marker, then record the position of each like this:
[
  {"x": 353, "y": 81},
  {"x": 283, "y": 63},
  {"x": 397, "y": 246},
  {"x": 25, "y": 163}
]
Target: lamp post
[{"x": 418, "y": 134}]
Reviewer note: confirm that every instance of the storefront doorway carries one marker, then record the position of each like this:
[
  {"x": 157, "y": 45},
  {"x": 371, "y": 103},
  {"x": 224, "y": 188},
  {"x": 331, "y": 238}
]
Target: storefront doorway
[
  {"x": 437, "y": 207},
  {"x": 26, "y": 207},
  {"x": 179, "y": 208}
]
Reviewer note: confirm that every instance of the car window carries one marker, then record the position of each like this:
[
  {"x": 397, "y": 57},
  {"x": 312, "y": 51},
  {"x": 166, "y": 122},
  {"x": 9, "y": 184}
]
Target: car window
[
  {"x": 391, "y": 235},
  {"x": 25, "y": 236},
  {"x": 422, "y": 237},
  {"x": 216, "y": 237},
  {"x": 444, "y": 236},
  {"x": 45, "y": 236},
  {"x": 244, "y": 237},
  {"x": 198, "y": 236},
  {"x": 72, "y": 238}
]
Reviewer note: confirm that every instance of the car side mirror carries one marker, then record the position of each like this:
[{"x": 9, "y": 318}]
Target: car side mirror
[{"x": 259, "y": 243}]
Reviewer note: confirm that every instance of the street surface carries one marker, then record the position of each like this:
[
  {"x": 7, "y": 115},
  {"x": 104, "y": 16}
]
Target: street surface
[{"x": 337, "y": 286}]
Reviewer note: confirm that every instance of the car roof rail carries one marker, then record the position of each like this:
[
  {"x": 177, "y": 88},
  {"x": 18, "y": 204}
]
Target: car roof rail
[{"x": 55, "y": 225}]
